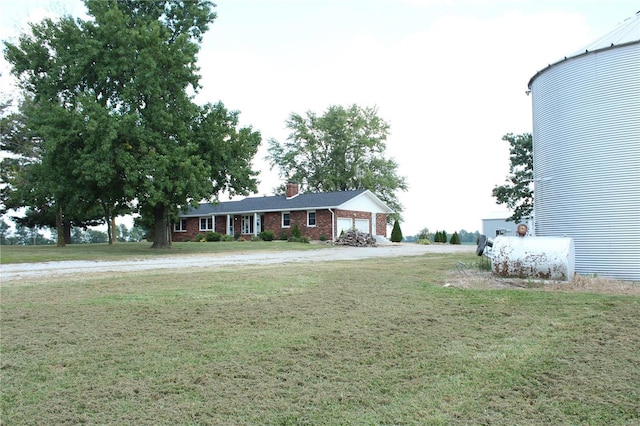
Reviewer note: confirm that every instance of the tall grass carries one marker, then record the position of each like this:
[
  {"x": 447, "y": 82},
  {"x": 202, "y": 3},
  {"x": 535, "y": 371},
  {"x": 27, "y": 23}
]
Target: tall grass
[{"x": 360, "y": 342}]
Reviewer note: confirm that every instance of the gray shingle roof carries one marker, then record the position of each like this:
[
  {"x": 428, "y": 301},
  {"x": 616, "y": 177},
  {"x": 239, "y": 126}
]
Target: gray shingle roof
[{"x": 305, "y": 201}]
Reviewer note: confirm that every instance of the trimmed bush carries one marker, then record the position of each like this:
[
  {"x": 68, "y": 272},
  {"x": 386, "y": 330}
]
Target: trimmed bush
[
  {"x": 213, "y": 236},
  {"x": 267, "y": 235},
  {"x": 424, "y": 241},
  {"x": 396, "y": 233}
]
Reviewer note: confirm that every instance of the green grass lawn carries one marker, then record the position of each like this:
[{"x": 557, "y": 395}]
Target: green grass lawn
[
  {"x": 352, "y": 342},
  {"x": 123, "y": 251}
]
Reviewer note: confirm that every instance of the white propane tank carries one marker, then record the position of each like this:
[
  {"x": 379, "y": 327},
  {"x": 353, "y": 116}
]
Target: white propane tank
[{"x": 549, "y": 258}]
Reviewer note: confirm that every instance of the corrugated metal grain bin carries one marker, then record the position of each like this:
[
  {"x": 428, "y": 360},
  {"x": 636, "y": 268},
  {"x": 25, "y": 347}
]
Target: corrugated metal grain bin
[{"x": 586, "y": 153}]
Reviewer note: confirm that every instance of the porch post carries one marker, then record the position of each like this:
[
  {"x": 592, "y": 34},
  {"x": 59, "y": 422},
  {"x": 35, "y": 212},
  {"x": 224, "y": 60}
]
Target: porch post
[
  {"x": 255, "y": 223},
  {"x": 374, "y": 221}
]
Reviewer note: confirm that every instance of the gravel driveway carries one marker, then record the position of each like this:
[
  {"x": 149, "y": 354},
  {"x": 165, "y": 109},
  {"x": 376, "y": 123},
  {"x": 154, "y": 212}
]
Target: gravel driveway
[{"x": 17, "y": 271}]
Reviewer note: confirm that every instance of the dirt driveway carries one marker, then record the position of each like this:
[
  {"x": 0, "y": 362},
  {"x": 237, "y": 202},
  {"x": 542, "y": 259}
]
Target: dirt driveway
[{"x": 18, "y": 271}]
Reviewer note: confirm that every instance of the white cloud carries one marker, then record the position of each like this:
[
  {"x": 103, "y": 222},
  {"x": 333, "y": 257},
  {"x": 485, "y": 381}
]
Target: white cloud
[
  {"x": 449, "y": 88},
  {"x": 449, "y": 92}
]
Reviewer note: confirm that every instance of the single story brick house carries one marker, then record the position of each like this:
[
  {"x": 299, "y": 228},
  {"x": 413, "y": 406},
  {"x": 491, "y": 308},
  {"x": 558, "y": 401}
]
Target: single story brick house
[{"x": 318, "y": 215}]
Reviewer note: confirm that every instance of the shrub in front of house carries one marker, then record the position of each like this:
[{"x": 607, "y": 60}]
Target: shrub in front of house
[
  {"x": 295, "y": 232},
  {"x": 283, "y": 235},
  {"x": 396, "y": 233},
  {"x": 227, "y": 238},
  {"x": 267, "y": 235},
  {"x": 213, "y": 236},
  {"x": 296, "y": 235},
  {"x": 200, "y": 238}
]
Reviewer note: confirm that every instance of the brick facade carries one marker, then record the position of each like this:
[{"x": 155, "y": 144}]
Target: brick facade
[{"x": 272, "y": 221}]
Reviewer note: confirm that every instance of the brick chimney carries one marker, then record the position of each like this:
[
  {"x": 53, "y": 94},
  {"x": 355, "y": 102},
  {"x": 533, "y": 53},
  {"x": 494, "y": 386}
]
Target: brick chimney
[{"x": 292, "y": 189}]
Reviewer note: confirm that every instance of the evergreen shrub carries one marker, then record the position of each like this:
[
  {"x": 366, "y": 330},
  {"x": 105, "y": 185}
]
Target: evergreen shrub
[
  {"x": 455, "y": 238},
  {"x": 396, "y": 233}
]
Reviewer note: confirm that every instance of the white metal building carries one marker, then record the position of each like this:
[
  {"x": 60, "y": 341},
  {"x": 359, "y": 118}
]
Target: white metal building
[{"x": 586, "y": 152}]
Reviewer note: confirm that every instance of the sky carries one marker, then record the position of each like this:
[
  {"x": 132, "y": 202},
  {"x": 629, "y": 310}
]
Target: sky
[{"x": 449, "y": 77}]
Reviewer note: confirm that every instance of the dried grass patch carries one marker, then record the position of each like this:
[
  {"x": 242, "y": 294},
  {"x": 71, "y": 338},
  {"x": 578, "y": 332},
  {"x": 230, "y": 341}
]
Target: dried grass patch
[{"x": 471, "y": 277}]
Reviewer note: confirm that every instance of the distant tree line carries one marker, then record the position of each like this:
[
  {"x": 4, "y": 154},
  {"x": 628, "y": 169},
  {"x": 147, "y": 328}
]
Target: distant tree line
[
  {"x": 463, "y": 236},
  {"x": 25, "y": 235}
]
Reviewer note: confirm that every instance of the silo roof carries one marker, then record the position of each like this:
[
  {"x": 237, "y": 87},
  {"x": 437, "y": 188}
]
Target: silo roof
[{"x": 627, "y": 32}]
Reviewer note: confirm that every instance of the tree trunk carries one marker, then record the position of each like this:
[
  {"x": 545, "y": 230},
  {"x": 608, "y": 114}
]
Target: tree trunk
[
  {"x": 114, "y": 230},
  {"x": 160, "y": 227},
  {"x": 107, "y": 219},
  {"x": 67, "y": 231},
  {"x": 60, "y": 229}
]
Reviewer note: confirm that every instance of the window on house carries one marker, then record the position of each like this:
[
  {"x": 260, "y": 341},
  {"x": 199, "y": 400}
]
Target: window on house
[
  {"x": 311, "y": 218},
  {"x": 247, "y": 224},
  {"x": 180, "y": 226},
  {"x": 286, "y": 219},
  {"x": 206, "y": 223}
]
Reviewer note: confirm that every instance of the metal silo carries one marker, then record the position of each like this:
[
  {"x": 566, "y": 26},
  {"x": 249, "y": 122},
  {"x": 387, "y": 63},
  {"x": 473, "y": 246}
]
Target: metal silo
[{"x": 586, "y": 152}]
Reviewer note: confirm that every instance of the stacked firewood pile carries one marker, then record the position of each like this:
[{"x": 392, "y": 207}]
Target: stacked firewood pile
[{"x": 356, "y": 238}]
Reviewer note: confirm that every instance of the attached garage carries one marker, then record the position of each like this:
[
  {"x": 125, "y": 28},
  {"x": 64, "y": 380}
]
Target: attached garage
[
  {"x": 362, "y": 225},
  {"x": 344, "y": 224}
]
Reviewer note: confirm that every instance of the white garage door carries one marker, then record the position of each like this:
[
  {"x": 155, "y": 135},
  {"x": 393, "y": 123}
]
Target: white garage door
[
  {"x": 362, "y": 225},
  {"x": 344, "y": 224}
]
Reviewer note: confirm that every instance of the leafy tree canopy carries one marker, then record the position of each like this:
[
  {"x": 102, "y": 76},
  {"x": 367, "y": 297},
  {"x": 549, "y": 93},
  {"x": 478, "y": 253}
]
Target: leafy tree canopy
[
  {"x": 517, "y": 192},
  {"x": 113, "y": 108},
  {"x": 343, "y": 149}
]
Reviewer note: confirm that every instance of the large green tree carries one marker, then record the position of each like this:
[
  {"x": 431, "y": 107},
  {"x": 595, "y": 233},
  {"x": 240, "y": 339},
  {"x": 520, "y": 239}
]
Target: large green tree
[
  {"x": 37, "y": 181},
  {"x": 343, "y": 149},
  {"x": 120, "y": 86},
  {"x": 517, "y": 192}
]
